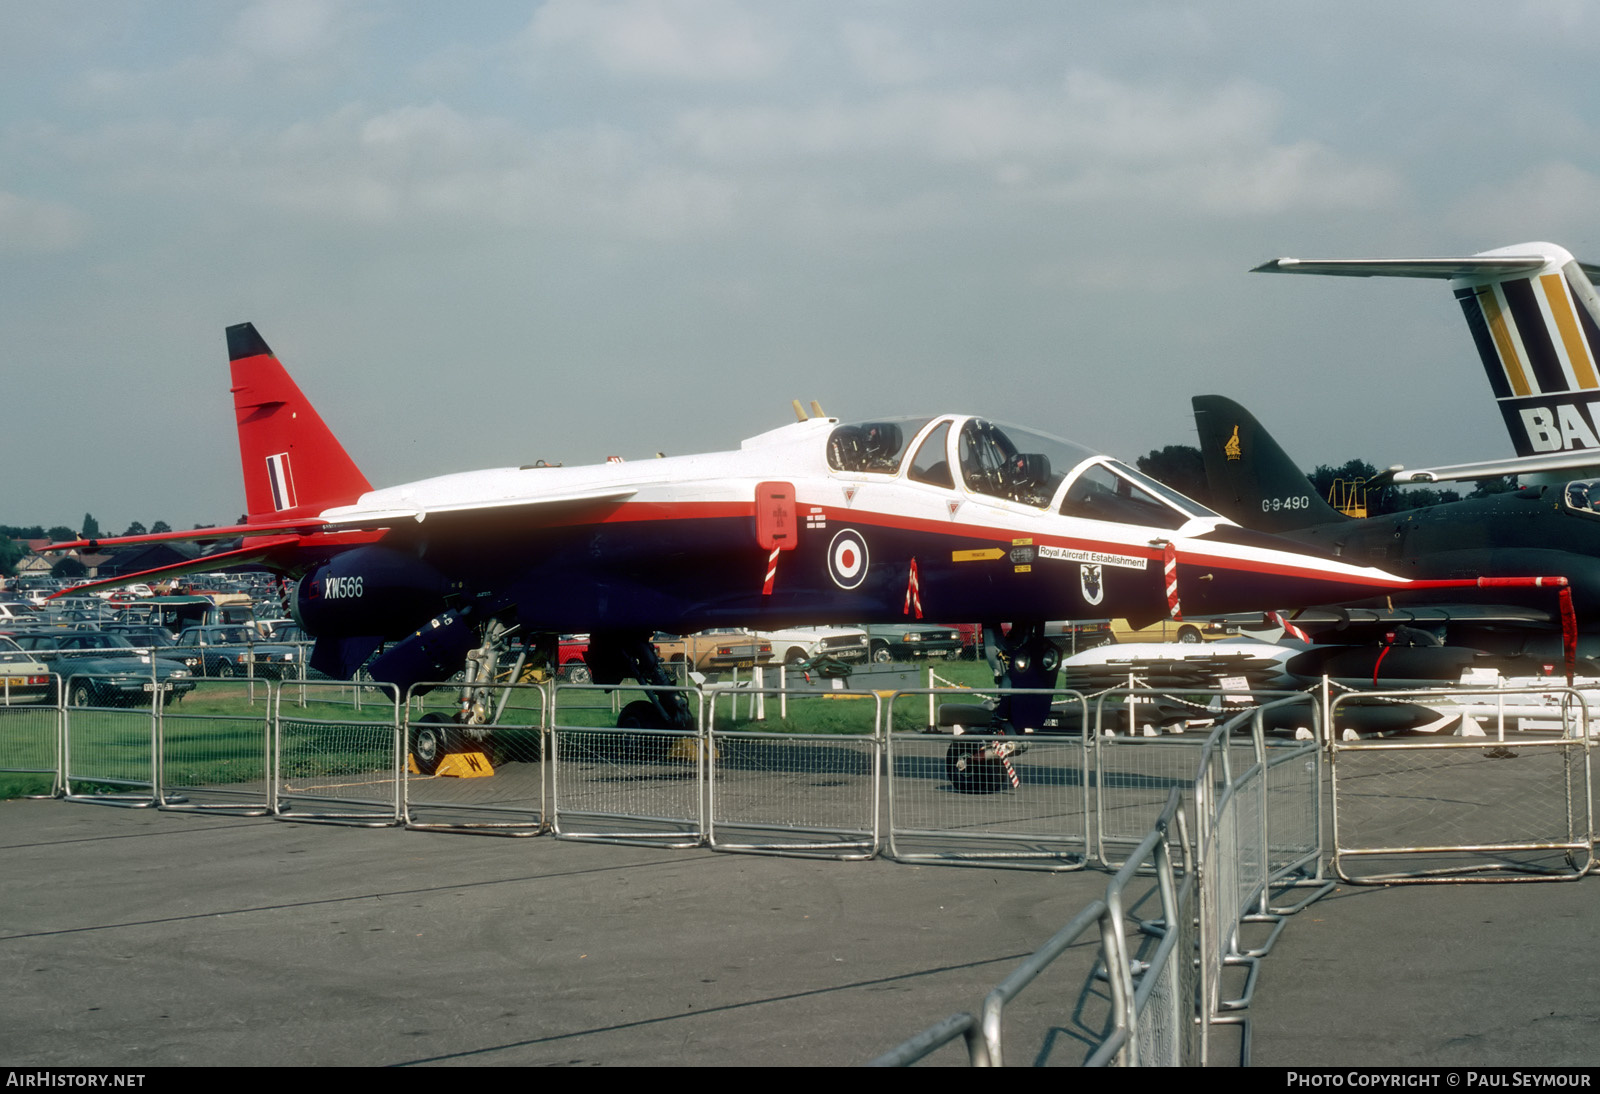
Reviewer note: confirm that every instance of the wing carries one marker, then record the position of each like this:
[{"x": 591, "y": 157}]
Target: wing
[
  {"x": 1444, "y": 269},
  {"x": 1570, "y": 460},
  {"x": 381, "y": 515},
  {"x": 197, "y": 535}
]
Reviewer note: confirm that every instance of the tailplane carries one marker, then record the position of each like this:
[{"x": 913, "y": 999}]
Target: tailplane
[
  {"x": 1252, "y": 480},
  {"x": 1535, "y": 319},
  {"x": 293, "y": 464}
]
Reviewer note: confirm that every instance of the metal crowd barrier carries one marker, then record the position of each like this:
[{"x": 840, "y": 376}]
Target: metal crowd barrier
[
  {"x": 1165, "y": 1003},
  {"x": 214, "y": 762},
  {"x": 778, "y": 791},
  {"x": 1134, "y": 766},
  {"x": 335, "y": 761},
  {"x": 496, "y": 782},
  {"x": 625, "y": 783},
  {"x": 1150, "y": 1021},
  {"x": 1467, "y": 808},
  {"x": 1235, "y": 826},
  {"x": 341, "y": 752},
  {"x": 951, "y": 801},
  {"x": 108, "y": 753},
  {"x": 31, "y": 731}
]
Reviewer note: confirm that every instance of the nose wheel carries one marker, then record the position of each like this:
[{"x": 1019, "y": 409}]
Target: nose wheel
[
  {"x": 980, "y": 767},
  {"x": 431, "y": 739}
]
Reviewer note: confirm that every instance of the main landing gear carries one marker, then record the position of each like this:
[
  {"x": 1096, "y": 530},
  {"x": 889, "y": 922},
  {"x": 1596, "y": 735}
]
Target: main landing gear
[{"x": 617, "y": 656}]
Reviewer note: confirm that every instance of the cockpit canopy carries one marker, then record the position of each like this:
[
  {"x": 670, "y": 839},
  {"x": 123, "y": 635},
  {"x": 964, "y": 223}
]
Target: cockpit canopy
[
  {"x": 1584, "y": 496},
  {"x": 1013, "y": 463}
]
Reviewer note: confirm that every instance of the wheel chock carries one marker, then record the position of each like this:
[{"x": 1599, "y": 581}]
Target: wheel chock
[
  {"x": 687, "y": 750},
  {"x": 464, "y": 765}
]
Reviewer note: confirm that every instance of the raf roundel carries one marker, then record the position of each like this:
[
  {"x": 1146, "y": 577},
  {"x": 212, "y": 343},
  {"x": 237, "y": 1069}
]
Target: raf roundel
[{"x": 847, "y": 559}]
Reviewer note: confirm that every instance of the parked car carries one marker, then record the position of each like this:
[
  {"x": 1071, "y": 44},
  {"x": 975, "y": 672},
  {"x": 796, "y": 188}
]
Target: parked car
[
  {"x": 17, "y": 610},
  {"x": 1072, "y": 637},
  {"x": 290, "y": 633},
  {"x": 23, "y": 677},
  {"x": 569, "y": 656},
  {"x": 803, "y": 643},
  {"x": 910, "y": 641},
  {"x": 106, "y": 669},
  {"x": 177, "y": 612},
  {"x": 144, "y": 635},
  {"x": 1168, "y": 630},
  {"x": 720, "y": 648},
  {"x": 236, "y": 651}
]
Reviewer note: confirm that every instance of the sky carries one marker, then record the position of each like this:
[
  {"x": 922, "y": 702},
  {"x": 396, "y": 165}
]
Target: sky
[{"x": 494, "y": 233}]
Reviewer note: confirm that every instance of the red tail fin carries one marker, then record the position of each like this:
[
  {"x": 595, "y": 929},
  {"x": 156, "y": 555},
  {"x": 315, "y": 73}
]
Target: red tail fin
[{"x": 293, "y": 464}]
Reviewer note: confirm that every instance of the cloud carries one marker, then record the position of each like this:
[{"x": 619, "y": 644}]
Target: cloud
[
  {"x": 899, "y": 161},
  {"x": 881, "y": 55},
  {"x": 32, "y": 226},
  {"x": 1090, "y": 139},
  {"x": 1553, "y": 200},
  {"x": 268, "y": 44},
  {"x": 415, "y": 167},
  {"x": 290, "y": 30},
  {"x": 696, "y": 40}
]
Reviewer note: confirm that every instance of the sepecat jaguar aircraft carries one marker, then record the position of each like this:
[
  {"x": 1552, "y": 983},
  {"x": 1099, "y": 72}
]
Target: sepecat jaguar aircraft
[{"x": 949, "y": 516}]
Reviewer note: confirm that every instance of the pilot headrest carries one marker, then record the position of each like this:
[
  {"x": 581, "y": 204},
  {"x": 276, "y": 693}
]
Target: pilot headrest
[
  {"x": 1030, "y": 469},
  {"x": 883, "y": 438}
]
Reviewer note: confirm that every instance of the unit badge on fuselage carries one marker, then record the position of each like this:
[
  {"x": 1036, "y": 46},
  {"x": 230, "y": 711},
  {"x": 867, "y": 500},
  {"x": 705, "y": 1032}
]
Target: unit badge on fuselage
[{"x": 1089, "y": 580}]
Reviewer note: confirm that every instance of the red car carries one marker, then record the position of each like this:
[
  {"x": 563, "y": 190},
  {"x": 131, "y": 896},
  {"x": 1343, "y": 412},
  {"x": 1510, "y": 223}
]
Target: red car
[{"x": 569, "y": 656}]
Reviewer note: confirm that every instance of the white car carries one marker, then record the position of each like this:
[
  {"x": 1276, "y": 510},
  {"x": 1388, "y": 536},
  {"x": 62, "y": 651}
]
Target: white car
[
  {"x": 803, "y": 643},
  {"x": 23, "y": 678}
]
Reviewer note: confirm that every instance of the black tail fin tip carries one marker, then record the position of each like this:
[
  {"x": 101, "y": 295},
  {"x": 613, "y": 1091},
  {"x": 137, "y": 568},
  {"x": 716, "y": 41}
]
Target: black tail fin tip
[
  {"x": 243, "y": 341},
  {"x": 1253, "y": 481}
]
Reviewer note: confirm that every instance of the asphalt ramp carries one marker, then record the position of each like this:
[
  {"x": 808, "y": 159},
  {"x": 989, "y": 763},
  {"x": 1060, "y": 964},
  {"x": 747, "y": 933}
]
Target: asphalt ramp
[{"x": 137, "y": 937}]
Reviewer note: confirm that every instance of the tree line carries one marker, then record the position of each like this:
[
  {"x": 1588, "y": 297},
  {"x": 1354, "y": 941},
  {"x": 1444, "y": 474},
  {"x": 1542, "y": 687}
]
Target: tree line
[{"x": 13, "y": 548}]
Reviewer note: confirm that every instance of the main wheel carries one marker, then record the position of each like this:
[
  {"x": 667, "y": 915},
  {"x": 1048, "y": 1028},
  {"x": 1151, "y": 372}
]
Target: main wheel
[
  {"x": 640, "y": 714},
  {"x": 431, "y": 741},
  {"x": 969, "y": 773}
]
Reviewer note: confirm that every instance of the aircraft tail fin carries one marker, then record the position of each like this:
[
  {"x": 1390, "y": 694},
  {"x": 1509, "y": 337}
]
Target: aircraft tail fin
[
  {"x": 1252, "y": 479},
  {"x": 293, "y": 464},
  {"x": 1535, "y": 319}
]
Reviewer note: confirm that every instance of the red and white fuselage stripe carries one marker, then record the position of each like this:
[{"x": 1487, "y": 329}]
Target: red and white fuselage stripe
[
  {"x": 1169, "y": 570},
  {"x": 913, "y": 593},
  {"x": 772, "y": 571}
]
